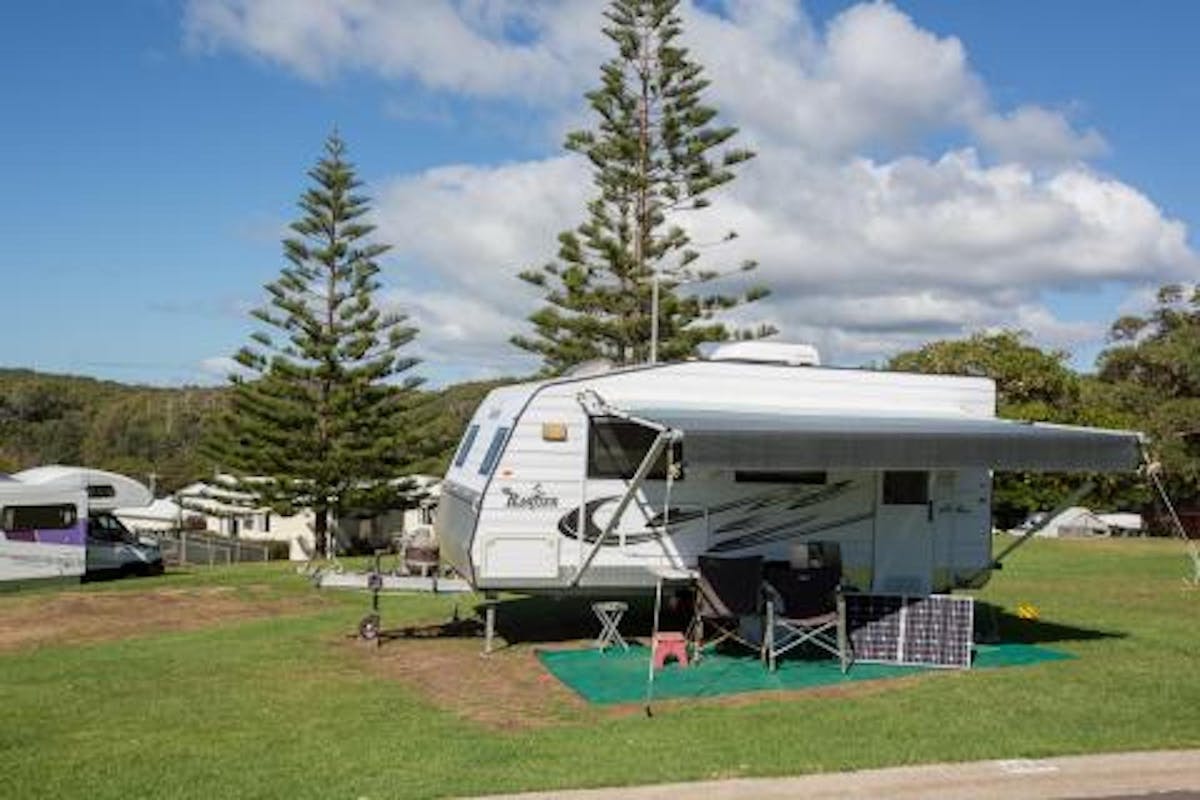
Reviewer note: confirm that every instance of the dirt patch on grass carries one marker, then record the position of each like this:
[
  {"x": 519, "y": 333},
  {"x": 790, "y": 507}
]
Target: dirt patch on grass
[
  {"x": 511, "y": 690},
  {"x": 81, "y": 617},
  {"x": 507, "y": 690}
]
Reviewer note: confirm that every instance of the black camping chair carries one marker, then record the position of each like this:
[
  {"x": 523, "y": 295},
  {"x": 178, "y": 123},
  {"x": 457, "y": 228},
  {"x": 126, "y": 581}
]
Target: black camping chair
[
  {"x": 805, "y": 606},
  {"x": 727, "y": 590}
]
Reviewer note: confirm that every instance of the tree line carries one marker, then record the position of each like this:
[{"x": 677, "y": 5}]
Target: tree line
[
  {"x": 144, "y": 431},
  {"x": 1147, "y": 379}
]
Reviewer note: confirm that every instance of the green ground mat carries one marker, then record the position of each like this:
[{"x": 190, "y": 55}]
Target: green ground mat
[{"x": 620, "y": 677}]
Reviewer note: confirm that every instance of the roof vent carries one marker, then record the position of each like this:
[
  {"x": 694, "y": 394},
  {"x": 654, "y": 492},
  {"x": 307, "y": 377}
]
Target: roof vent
[{"x": 792, "y": 355}]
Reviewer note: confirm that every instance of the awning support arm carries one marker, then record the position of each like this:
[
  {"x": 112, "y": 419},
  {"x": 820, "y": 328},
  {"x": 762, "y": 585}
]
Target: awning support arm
[
  {"x": 595, "y": 406},
  {"x": 635, "y": 483},
  {"x": 1072, "y": 499}
]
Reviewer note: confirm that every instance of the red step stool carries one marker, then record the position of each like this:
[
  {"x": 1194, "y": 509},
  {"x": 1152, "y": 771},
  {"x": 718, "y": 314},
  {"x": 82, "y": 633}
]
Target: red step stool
[{"x": 667, "y": 644}]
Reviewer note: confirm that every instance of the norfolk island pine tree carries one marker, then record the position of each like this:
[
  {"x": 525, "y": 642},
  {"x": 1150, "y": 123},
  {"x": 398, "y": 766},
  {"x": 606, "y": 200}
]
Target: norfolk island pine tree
[
  {"x": 315, "y": 418},
  {"x": 655, "y": 154}
]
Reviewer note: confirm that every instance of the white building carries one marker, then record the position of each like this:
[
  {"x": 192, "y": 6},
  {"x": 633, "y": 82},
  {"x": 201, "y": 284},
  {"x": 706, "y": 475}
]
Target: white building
[
  {"x": 162, "y": 515},
  {"x": 229, "y": 511}
]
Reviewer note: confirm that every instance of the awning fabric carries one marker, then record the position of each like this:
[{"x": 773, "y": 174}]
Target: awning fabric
[{"x": 788, "y": 440}]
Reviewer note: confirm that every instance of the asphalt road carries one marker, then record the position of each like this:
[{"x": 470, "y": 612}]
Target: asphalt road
[{"x": 1156, "y": 775}]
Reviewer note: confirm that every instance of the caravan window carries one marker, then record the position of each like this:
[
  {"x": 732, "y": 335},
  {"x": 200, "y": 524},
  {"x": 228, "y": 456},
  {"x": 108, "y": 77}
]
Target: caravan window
[
  {"x": 465, "y": 447},
  {"x": 493, "y": 452},
  {"x": 905, "y": 488},
  {"x": 616, "y": 448},
  {"x": 780, "y": 476},
  {"x": 38, "y": 518},
  {"x": 97, "y": 491}
]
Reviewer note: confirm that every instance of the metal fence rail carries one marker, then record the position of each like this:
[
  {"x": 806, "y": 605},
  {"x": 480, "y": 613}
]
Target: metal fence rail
[{"x": 200, "y": 548}]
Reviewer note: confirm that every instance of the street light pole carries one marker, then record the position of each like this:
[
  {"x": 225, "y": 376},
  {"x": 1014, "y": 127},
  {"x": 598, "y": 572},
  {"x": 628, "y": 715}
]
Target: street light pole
[{"x": 654, "y": 318}]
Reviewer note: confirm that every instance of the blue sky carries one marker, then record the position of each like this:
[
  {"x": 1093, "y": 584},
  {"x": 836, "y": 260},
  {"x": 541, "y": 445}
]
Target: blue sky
[{"x": 925, "y": 168}]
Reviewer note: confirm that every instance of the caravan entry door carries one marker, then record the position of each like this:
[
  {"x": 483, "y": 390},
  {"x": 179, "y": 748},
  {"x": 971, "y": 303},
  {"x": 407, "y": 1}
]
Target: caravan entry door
[{"x": 903, "y": 534}]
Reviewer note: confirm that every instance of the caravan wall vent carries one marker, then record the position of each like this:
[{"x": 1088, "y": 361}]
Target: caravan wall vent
[{"x": 792, "y": 355}]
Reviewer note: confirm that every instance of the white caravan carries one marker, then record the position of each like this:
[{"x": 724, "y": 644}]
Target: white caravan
[{"x": 604, "y": 482}]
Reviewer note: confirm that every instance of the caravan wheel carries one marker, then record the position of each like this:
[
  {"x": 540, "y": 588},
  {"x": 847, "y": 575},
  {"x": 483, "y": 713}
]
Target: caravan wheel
[{"x": 368, "y": 628}]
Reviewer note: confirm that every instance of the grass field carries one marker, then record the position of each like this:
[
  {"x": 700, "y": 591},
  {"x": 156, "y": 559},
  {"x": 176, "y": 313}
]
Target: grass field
[{"x": 242, "y": 682}]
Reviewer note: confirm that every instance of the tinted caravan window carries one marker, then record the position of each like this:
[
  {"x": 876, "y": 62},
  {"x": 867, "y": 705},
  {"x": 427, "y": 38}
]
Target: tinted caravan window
[
  {"x": 905, "y": 488},
  {"x": 493, "y": 452},
  {"x": 780, "y": 476},
  {"x": 616, "y": 448},
  {"x": 38, "y": 518},
  {"x": 465, "y": 447}
]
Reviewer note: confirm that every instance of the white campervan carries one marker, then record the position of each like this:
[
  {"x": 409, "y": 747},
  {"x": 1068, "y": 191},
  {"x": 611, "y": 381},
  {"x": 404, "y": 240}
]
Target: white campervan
[{"x": 111, "y": 548}]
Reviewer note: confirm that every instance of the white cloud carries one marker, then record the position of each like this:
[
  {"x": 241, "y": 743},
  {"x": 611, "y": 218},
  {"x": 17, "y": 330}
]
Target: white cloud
[
  {"x": 1036, "y": 135},
  {"x": 865, "y": 255},
  {"x": 465, "y": 47}
]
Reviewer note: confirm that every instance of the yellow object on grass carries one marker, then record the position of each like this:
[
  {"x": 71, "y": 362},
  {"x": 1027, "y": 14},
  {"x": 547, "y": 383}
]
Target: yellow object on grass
[{"x": 1027, "y": 611}]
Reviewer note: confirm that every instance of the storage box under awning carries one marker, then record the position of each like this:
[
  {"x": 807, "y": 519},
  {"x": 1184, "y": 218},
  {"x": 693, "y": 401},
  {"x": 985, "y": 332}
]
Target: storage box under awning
[{"x": 791, "y": 440}]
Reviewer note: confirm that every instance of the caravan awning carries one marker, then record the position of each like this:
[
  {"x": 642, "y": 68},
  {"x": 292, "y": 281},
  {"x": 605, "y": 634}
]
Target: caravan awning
[{"x": 789, "y": 440}]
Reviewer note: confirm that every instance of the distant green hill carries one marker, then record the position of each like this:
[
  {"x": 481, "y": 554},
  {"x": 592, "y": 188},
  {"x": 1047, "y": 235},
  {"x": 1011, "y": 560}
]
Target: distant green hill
[{"x": 143, "y": 430}]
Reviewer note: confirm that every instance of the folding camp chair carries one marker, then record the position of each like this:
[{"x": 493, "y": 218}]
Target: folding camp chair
[
  {"x": 727, "y": 590},
  {"x": 805, "y": 606}
]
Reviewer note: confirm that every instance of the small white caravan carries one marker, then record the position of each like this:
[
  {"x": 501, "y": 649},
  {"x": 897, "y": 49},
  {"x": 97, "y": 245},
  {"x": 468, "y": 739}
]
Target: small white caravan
[{"x": 604, "y": 481}]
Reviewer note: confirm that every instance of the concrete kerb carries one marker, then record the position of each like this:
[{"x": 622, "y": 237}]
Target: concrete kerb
[{"x": 1093, "y": 776}]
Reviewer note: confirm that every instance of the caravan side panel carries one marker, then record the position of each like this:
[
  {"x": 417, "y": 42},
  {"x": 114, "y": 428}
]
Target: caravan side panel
[
  {"x": 43, "y": 533},
  {"x": 968, "y": 558}
]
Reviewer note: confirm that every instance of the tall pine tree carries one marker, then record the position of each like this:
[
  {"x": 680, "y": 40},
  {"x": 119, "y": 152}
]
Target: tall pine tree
[
  {"x": 655, "y": 152},
  {"x": 313, "y": 421}
]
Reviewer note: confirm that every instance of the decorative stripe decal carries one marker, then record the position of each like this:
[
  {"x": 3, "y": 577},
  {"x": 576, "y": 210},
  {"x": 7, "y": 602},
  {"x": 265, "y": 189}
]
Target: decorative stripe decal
[{"x": 767, "y": 519}]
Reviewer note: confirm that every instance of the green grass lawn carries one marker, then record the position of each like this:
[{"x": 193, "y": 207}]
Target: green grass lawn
[{"x": 284, "y": 707}]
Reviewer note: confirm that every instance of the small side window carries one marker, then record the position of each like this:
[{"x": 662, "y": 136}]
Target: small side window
[
  {"x": 493, "y": 452},
  {"x": 905, "y": 488},
  {"x": 464, "y": 449},
  {"x": 781, "y": 476},
  {"x": 101, "y": 490},
  {"x": 38, "y": 518}
]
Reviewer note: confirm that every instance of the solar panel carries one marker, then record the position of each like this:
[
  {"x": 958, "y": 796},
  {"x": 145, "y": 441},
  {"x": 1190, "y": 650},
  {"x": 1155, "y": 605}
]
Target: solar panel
[{"x": 933, "y": 631}]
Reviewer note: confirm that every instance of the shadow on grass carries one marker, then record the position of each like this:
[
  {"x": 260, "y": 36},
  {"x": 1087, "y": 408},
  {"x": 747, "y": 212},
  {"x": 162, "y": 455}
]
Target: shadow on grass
[
  {"x": 460, "y": 628},
  {"x": 544, "y": 620},
  {"x": 994, "y": 624},
  {"x": 548, "y": 620}
]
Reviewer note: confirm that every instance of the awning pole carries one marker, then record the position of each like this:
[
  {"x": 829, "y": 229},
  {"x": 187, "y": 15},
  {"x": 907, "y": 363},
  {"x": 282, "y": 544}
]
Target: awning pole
[
  {"x": 1153, "y": 468},
  {"x": 653, "y": 639}
]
